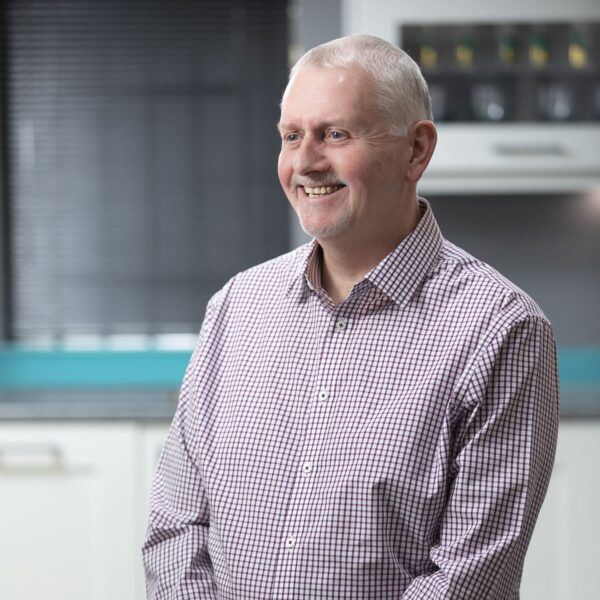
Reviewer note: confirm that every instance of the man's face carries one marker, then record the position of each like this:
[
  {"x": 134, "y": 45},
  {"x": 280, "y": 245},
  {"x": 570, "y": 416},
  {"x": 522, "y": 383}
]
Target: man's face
[{"x": 335, "y": 141}]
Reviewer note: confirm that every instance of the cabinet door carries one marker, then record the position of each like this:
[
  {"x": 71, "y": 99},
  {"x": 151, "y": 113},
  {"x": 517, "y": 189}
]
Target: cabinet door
[
  {"x": 68, "y": 512},
  {"x": 562, "y": 558},
  {"x": 151, "y": 442}
]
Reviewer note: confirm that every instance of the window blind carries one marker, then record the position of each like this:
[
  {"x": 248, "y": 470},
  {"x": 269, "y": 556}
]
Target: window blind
[{"x": 141, "y": 149}]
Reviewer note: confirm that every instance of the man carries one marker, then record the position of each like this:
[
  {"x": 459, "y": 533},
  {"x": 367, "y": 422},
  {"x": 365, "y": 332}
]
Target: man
[{"x": 373, "y": 415}]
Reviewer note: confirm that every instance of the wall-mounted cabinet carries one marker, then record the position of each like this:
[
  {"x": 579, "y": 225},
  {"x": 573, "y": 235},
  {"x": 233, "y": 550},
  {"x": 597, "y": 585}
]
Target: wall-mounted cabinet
[
  {"x": 483, "y": 158},
  {"x": 514, "y": 85},
  {"x": 506, "y": 72}
]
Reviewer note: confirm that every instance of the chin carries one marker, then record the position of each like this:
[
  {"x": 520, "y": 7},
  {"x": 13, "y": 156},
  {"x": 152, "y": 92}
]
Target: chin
[{"x": 327, "y": 230}]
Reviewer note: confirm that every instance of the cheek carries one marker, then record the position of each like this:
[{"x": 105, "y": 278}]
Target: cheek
[
  {"x": 358, "y": 170},
  {"x": 283, "y": 170},
  {"x": 383, "y": 171}
]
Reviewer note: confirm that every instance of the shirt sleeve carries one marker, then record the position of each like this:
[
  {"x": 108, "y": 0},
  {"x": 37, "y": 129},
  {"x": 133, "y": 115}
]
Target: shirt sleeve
[
  {"x": 176, "y": 558},
  {"x": 503, "y": 457}
]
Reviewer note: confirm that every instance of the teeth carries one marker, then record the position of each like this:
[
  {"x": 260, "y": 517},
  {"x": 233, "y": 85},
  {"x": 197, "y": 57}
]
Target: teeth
[{"x": 320, "y": 191}]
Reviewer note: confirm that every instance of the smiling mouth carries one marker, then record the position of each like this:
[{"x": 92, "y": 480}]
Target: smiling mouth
[{"x": 318, "y": 192}]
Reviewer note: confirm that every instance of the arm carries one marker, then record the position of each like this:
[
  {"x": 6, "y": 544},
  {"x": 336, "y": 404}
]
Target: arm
[
  {"x": 175, "y": 553},
  {"x": 502, "y": 463}
]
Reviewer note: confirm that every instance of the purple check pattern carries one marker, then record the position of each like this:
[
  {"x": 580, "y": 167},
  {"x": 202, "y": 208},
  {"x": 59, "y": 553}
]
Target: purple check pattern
[{"x": 396, "y": 445}]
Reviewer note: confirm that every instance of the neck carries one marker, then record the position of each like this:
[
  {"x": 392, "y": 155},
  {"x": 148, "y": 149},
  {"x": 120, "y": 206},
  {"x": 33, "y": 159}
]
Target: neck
[{"x": 346, "y": 262}]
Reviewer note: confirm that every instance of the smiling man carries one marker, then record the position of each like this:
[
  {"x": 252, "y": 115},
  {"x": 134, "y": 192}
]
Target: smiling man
[
  {"x": 347, "y": 173},
  {"x": 374, "y": 414}
]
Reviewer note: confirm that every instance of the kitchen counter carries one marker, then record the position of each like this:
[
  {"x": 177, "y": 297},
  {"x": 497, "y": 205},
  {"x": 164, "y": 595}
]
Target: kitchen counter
[
  {"x": 139, "y": 405},
  {"x": 61, "y": 384},
  {"x": 159, "y": 405}
]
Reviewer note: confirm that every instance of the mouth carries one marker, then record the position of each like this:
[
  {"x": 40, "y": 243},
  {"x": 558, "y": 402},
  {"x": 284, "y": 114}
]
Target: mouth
[{"x": 322, "y": 191}]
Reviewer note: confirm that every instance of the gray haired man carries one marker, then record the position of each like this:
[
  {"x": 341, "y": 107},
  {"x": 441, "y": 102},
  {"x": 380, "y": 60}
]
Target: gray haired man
[{"x": 374, "y": 414}]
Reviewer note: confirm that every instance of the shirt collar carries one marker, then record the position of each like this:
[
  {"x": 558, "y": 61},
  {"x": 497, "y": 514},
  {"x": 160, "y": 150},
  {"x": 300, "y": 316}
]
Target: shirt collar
[
  {"x": 398, "y": 275},
  {"x": 307, "y": 257}
]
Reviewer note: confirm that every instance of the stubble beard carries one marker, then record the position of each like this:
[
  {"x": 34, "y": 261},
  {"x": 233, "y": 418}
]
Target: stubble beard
[{"x": 329, "y": 230}]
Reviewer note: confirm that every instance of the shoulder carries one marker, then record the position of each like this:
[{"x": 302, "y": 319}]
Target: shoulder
[
  {"x": 494, "y": 314},
  {"x": 276, "y": 272},
  {"x": 477, "y": 288},
  {"x": 261, "y": 283},
  {"x": 496, "y": 319}
]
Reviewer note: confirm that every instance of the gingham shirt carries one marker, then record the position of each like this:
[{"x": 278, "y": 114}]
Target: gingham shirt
[{"x": 395, "y": 445}]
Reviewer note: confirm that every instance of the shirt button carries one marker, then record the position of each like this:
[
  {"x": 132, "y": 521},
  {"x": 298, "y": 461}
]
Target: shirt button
[
  {"x": 290, "y": 542},
  {"x": 341, "y": 324},
  {"x": 323, "y": 395},
  {"x": 307, "y": 468}
]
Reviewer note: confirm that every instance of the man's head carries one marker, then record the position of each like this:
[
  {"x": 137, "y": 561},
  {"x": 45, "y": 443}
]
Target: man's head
[
  {"x": 356, "y": 126},
  {"x": 399, "y": 90}
]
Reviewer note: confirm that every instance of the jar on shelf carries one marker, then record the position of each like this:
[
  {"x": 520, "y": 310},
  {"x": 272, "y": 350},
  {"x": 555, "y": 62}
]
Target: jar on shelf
[
  {"x": 539, "y": 48},
  {"x": 506, "y": 44},
  {"x": 464, "y": 49},
  {"x": 579, "y": 47},
  {"x": 428, "y": 49}
]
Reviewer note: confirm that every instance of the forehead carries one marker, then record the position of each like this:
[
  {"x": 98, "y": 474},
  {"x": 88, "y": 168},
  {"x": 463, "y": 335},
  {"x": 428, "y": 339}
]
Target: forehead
[{"x": 327, "y": 94}]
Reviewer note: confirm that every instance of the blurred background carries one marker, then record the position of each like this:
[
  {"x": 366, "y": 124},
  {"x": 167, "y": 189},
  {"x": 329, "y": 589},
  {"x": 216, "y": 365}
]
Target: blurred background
[{"x": 138, "y": 173}]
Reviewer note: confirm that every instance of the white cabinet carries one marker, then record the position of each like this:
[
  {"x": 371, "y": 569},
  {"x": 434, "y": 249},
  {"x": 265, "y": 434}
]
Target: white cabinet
[
  {"x": 74, "y": 507},
  {"x": 151, "y": 439},
  {"x": 67, "y": 511},
  {"x": 564, "y": 551},
  {"x": 383, "y": 17},
  {"x": 514, "y": 157},
  {"x": 505, "y": 157}
]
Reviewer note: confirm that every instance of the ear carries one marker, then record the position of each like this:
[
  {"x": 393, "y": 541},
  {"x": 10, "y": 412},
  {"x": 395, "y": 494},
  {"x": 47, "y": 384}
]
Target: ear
[{"x": 424, "y": 137}]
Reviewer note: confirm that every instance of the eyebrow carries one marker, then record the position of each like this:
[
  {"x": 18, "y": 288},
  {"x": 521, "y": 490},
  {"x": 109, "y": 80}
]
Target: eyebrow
[{"x": 329, "y": 123}]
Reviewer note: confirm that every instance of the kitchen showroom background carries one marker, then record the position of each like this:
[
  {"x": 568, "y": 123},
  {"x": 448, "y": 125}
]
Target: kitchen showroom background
[{"x": 137, "y": 175}]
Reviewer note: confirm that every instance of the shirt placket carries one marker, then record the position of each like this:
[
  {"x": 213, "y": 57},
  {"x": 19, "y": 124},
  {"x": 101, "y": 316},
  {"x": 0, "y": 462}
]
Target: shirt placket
[{"x": 332, "y": 332}]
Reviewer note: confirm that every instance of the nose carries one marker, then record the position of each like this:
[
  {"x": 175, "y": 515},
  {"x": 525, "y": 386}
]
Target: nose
[{"x": 310, "y": 157}]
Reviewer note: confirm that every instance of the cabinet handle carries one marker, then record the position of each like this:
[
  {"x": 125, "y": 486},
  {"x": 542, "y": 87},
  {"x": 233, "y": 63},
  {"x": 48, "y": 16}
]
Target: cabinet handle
[
  {"x": 28, "y": 457},
  {"x": 530, "y": 150}
]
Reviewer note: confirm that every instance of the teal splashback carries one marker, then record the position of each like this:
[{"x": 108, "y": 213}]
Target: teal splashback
[{"x": 22, "y": 368}]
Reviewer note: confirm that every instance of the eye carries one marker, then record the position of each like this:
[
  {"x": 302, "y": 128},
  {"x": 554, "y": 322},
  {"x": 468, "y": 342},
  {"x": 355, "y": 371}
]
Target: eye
[
  {"x": 336, "y": 135},
  {"x": 291, "y": 137}
]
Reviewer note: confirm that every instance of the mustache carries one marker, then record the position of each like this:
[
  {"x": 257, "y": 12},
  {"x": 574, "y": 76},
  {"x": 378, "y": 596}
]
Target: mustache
[{"x": 316, "y": 180}]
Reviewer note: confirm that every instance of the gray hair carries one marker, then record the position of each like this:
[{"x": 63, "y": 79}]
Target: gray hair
[{"x": 401, "y": 92}]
